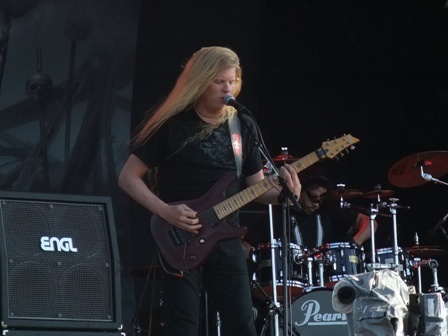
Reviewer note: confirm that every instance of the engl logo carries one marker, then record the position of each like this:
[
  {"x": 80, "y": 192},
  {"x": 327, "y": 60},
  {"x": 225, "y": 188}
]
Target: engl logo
[{"x": 57, "y": 244}]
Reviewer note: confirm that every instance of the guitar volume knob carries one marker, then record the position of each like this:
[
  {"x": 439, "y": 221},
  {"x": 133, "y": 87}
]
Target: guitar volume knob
[{"x": 201, "y": 241}]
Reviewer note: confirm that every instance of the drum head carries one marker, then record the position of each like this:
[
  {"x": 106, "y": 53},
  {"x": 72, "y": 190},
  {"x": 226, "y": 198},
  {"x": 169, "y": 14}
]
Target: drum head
[{"x": 313, "y": 314}]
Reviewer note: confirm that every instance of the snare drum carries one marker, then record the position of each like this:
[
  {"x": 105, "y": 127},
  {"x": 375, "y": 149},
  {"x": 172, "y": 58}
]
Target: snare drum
[
  {"x": 262, "y": 269},
  {"x": 337, "y": 260}
]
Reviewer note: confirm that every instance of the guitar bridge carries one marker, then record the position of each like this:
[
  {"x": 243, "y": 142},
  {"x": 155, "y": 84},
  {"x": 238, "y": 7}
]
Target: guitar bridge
[{"x": 179, "y": 236}]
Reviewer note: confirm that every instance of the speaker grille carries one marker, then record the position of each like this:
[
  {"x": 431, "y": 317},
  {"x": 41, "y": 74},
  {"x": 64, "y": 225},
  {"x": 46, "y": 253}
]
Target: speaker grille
[{"x": 58, "y": 261}]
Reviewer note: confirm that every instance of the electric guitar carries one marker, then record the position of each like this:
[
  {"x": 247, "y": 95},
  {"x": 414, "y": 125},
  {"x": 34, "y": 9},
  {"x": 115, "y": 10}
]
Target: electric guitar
[{"x": 185, "y": 251}]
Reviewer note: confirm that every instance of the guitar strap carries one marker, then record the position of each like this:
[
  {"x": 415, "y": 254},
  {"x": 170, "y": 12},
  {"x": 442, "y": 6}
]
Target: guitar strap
[{"x": 235, "y": 137}]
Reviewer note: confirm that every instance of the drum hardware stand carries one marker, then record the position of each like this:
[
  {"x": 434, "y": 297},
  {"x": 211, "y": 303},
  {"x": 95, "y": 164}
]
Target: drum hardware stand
[
  {"x": 393, "y": 210},
  {"x": 395, "y": 266},
  {"x": 417, "y": 260},
  {"x": 322, "y": 261},
  {"x": 284, "y": 250},
  {"x": 433, "y": 265},
  {"x": 285, "y": 196},
  {"x": 426, "y": 176},
  {"x": 275, "y": 312},
  {"x": 310, "y": 272},
  {"x": 373, "y": 212},
  {"x": 272, "y": 244}
]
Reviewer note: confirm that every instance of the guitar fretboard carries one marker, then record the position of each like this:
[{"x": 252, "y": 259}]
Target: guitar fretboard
[{"x": 246, "y": 196}]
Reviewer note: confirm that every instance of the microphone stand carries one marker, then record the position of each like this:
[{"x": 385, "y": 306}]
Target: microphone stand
[{"x": 285, "y": 195}]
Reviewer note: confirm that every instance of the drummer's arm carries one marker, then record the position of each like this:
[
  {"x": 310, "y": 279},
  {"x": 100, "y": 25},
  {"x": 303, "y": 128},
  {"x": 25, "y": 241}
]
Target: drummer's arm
[{"x": 363, "y": 228}]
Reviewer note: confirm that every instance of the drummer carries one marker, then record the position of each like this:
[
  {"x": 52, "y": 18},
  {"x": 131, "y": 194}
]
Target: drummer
[{"x": 318, "y": 221}]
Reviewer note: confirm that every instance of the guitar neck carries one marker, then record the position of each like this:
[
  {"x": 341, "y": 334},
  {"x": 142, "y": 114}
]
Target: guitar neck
[
  {"x": 305, "y": 162},
  {"x": 246, "y": 196}
]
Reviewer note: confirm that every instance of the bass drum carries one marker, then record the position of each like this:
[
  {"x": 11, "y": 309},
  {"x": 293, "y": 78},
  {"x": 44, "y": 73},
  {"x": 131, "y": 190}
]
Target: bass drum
[{"x": 312, "y": 315}]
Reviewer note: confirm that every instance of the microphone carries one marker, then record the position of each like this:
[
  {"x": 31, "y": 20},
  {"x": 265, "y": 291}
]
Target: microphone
[
  {"x": 231, "y": 101},
  {"x": 441, "y": 222}
]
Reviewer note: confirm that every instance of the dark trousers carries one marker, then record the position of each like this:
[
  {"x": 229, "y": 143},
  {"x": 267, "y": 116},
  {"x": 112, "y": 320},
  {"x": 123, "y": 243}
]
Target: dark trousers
[{"x": 224, "y": 277}]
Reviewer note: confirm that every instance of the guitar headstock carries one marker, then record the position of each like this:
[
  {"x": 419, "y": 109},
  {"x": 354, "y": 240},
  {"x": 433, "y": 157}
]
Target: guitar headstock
[{"x": 336, "y": 147}]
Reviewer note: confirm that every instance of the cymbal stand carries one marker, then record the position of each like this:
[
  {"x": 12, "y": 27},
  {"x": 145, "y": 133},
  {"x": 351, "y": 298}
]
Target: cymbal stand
[
  {"x": 285, "y": 195},
  {"x": 273, "y": 242},
  {"x": 395, "y": 266},
  {"x": 416, "y": 264},
  {"x": 429, "y": 178},
  {"x": 433, "y": 265},
  {"x": 373, "y": 212},
  {"x": 393, "y": 210}
]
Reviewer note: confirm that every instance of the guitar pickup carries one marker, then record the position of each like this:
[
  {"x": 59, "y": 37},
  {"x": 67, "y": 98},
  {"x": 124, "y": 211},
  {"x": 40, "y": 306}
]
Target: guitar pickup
[{"x": 179, "y": 236}]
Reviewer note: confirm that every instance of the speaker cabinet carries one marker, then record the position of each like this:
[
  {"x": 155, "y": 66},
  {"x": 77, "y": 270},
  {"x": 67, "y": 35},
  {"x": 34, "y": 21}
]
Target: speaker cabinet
[{"x": 59, "y": 263}]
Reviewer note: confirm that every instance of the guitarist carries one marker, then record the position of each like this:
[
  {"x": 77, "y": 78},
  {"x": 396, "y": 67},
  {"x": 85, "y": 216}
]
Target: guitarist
[{"x": 187, "y": 143}]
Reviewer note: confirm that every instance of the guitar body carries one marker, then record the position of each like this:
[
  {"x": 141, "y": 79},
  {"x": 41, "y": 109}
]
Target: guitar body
[{"x": 189, "y": 251}]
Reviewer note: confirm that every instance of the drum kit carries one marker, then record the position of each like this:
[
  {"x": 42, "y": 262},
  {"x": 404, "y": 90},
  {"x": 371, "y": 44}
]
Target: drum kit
[{"x": 313, "y": 272}]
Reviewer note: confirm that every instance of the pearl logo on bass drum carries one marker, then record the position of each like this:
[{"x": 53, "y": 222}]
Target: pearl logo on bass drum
[
  {"x": 57, "y": 244},
  {"x": 314, "y": 315}
]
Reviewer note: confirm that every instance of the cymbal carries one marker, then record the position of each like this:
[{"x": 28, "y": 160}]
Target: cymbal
[
  {"x": 282, "y": 159},
  {"x": 285, "y": 158},
  {"x": 426, "y": 251},
  {"x": 380, "y": 193},
  {"x": 344, "y": 193},
  {"x": 406, "y": 172}
]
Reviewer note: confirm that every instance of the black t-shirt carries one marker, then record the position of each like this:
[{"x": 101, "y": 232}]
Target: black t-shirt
[
  {"x": 337, "y": 226},
  {"x": 188, "y": 166}
]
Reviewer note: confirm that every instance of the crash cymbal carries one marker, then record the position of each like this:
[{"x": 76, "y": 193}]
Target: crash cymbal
[
  {"x": 426, "y": 251},
  {"x": 380, "y": 193},
  {"x": 344, "y": 193},
  {"x": 406, "y": 172}
]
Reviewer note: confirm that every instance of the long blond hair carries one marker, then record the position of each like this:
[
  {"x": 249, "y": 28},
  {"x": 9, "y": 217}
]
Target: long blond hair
[{"x": 200, "y": 71}]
